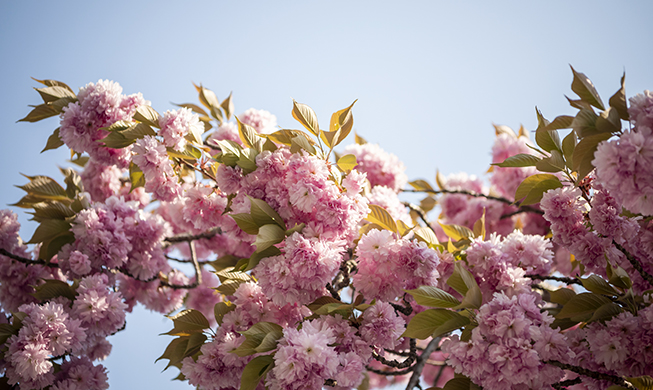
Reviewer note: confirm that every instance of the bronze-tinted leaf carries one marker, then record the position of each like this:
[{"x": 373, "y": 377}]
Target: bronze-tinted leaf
[
  {"x": 608, "y": 121},
  {"x": 50, "y": 94},
  {"x": 228, "y": 106},
  {"x": 53, "y": 83},
  {"x": 618, "y": 100},
  {"x": 306, "y": 116},
  {"x": 147, "y": 115},
  {"x": 584, "y": 153},
  {"x": 381, "y": 217},
  {"x": 533, "y": 187},
  {"x": 39, "y": 112},
  {"x": 585, "y": 89},
  {"x": 53, "y": 141},
  {"x": 519, "y": 160},
  {"x": 347, "y": 162},
  {"x": 255, "y": 371}
]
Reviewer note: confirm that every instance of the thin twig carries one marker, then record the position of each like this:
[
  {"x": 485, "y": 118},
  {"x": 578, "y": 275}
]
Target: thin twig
[
  {"x": 593, "y": 374},
  {"x": 420, "y": 212},
  {"x": 187, "y": 261},
  {"x": 421, "y": 361},
  {"x": 477, "y": 195},
  {"x": 27, "y": 261},
  {"x": 567, "y": 383},
  {"x": 635, "y": 263}
]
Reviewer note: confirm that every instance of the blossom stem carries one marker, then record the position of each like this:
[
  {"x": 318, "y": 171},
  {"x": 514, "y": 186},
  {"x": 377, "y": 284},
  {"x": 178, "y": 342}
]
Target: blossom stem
[
  {"x": 567, "y": 383},
  {"x": 529, "y": 209},
  {"x": 192, "y": 237},
  {"x": 593, "y": 374},
  {"x": 412, "y": 355},
  {"x": 563, "y": 279},
  {"x": 421, "y": 214}
]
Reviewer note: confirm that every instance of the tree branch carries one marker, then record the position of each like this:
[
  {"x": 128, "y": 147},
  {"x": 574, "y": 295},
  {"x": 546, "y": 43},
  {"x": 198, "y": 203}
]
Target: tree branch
[
  {"x": 421, "y": 361},
  {"x": 567, "y": 383},
  {"x": 191, "y": 237},
  {"x": 27, "y": 261},
  {"x": 562, "y": 279},
  {"x": 421, "y": 214},
  {"x": 635, "y": 263},
  {"x": 412, "y": 355},
  {"x": 593, "y": 374}
]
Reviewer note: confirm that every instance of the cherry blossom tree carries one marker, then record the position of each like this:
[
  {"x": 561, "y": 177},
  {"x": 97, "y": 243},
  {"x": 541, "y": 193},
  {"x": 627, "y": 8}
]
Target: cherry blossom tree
[{"x": 285, "y": 264}]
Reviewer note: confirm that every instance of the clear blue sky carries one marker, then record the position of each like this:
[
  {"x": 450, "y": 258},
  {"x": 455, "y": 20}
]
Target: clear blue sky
[{"x": 431, "y": 78}]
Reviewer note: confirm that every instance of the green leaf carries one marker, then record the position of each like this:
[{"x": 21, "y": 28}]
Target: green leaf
[
  {"x": 479, "y": 226},
  {"x": 175, "y": 352},
  {"x": 40, "y": 112},
  {"x": 246, "y": 223},
  {"x": 247, "y": 160},
  {"x": 136, "y": 176},
  {"x": 584, "y": 153},
  {"x": 210, "y": 101},
  {"x": 455, "y": 323},
  {"x": 460, "y": 384},
  {"x": 560, "y": 122},
  {"x": 546, "y": 139},
  {"x": 263, "y": 214},
  {"x": 606, "y": 312},
  {"x": 269, "y": 235},
  {"x": 53, "y": 141},
  {"x": 584, "y": 123},
  {"x": 461, "y": 279},
  {"x": 584, "y": 88},
  {"x": 424, "y": 324},
  {"x": 249, "y": 136},
  {"x": 55, "y": 92},
  {"x": 220, "y": 309},
  {"x": 195, "y": 342},
  {"x": 618, "y": 277},
  {"x": 381, "y": 217},
  {"x": 230, "y": 273},
  {"x": 254, "y": 371},
  {"x": 53, "y": 83},
  {"x": 433, "y": 297},
  {"x": 229, "y": 287},
  {"x": 6, "y": 331},
  {"x": 347, "y": 162},
  {"x": 533, "y": 187},
  {"x": 53, "y": 245},
  {"x": 51, "y": 210},
  {"x": 147, "y": 115},
  {"x": 260, "y": 337},
  {"x": 228, "y": 106},
  {"x": 554, "y": 163},
  {"x": 44, "y": 187},
  {"x": 608, "y": 121},
  {"x": 518, "y": 161},
  {"x": 300, "y": 143},
  {"x": 618, "y": 100},
  {"x": 49, "y": 229},
  {"x": 193, "y": 107},
  {"x": 306, "y": 116},
  {"x": 421, "y": 185},
  {"x": 187, "y": 322},
  {"x": 426, "y": 235},
  {"x": 568, "y": 146},
  {"x": 642, "y": 383},
  {"x": 285, "y": 136},
  {"x": 582, "y": 306},
  {"x": 53, "y": 289},
  {"x": 598, "y": 285},
  {"x": 321, "y": 301},
  {"x": 562, "y": 296},
  {"x": 456, "y": 232}
]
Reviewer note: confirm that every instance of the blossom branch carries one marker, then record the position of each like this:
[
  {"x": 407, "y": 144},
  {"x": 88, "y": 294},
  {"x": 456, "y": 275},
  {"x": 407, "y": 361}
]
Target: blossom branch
[
  {"x": 593, "y": 374},
  {"x": 635, "y": 263},
  {"x": 341, "y": 280},
  {"x": 412, "y": 355},
  {"x": 421, "y": 361},
  {"x": 405, "y": 309},
  {"x": 27, "y": 261},
  {"x": 567, "y": 383}
]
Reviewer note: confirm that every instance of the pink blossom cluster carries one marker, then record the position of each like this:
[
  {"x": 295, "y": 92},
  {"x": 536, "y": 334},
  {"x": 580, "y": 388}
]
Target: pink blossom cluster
[
  {"x": 299, "y": 188},
  {"x": 99, "y": 105},
  {"x": 17, "y": 280},
  {"x": 641, "y": 109},
  {"x": 624, "y": 167},
  {"x": 502, "y": 265},
  {"x": 301, "y": 273},
  {"x": 387, "y": 265},
  {"x": 176, "y": 124},
  {"x": 508, "y": 348},
  {"x": 564, "y": 208},
  {"x": 389, "y": 200},
  {"x": 381, "y": 326},
  {"x": 152, "y": 158},
  {"x": 116, "y": 234},
  {"x": 382, "y": 168}
]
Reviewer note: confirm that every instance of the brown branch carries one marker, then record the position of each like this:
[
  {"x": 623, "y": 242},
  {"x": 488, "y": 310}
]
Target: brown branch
[
  {"x": 567, "y": 383},
  {"x": 420, "y": 212},
  {"x": 27, "y": 261},
  {"x": 341, "y": 280},
  {"x": 421, "y": 361},
  {"x": 593, "y": 374},
  {"x": 635, "y": 263},
  {"x": 412, "y": 355},
  {"x": 187, "y": 261},
  {"x": 405, "y": 309},
  {"x": 390, "y": 373}
]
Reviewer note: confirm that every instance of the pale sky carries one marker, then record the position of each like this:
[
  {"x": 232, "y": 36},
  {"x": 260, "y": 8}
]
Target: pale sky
[{"x": 431, "y": 77}]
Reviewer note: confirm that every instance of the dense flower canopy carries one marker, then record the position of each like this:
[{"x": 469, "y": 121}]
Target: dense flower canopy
[{"x": 284, "y": 264}]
